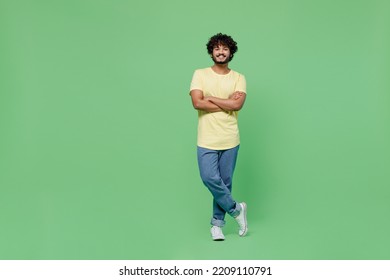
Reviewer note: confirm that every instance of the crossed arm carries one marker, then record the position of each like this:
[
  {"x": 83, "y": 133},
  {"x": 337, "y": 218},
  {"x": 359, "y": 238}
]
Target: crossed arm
[{"x": 214, "y": 104}]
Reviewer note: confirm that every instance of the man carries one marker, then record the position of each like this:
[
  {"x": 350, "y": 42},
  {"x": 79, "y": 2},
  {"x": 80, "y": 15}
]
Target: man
[{"x": 218, "y": 93}]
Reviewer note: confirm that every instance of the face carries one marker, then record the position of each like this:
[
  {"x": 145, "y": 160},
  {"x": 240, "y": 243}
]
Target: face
[{"x": 221, "y": 54}]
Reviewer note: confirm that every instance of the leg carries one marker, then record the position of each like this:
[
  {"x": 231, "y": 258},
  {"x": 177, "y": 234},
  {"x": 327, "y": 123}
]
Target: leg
[
  {"x": 227, "y": 162},
  {"x": 208, "y": 161}
]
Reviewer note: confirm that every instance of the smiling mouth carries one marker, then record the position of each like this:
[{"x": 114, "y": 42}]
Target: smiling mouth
[{"x": 220, "y": 59}]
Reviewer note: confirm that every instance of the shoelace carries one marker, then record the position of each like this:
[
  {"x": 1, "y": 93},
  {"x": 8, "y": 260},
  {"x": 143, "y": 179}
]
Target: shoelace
[{"x": 216, "y": 230}]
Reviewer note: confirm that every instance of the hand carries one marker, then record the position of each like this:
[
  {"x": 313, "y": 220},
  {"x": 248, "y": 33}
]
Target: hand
[{"x": 236, "y": 95}]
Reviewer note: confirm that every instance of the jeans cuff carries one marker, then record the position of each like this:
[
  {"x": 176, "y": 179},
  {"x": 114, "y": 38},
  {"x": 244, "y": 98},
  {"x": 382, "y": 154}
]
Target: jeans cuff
[
  {"x": 236, "y": 211},
  {"x": 218, "y": 223}
]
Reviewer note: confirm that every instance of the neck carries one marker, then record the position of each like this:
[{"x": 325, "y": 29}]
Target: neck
[{"x": 221, "y": 68}]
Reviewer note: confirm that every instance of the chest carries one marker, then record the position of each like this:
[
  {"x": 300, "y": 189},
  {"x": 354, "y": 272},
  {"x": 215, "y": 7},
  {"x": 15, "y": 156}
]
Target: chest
[{"x": 219, "y": 86}]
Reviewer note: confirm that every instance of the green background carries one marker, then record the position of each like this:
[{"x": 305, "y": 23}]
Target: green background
[{"x": 98, "y": 134}]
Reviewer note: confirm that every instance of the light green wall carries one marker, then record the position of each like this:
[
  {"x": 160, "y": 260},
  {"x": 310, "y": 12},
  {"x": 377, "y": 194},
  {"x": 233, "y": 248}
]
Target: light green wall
[{"x": 98, "y": 135}]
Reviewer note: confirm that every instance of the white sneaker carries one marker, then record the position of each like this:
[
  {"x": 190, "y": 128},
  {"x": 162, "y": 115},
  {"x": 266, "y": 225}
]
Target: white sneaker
[
  {"x": 217, "y": 234},
  {"x": 241, "y": 220}
]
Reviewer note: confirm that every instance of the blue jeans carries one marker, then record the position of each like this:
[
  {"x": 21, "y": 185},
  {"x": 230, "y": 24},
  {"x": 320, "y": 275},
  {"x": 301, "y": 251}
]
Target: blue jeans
[{"x": 216, "y": 170}]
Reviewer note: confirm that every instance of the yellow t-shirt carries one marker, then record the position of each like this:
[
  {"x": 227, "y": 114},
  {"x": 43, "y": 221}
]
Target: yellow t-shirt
[{"x": 219, "y": 130}]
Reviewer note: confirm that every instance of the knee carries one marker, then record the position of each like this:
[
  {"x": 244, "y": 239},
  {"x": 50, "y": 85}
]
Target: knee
[{"x": 210, "y": 179}]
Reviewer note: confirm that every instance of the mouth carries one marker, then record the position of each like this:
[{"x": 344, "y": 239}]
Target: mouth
[{"x": 220, "y": 59}]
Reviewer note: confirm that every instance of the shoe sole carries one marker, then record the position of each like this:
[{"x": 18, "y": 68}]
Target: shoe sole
[
  {"x": 219, "y": 239},
  {"x": 244, "y": 208}
]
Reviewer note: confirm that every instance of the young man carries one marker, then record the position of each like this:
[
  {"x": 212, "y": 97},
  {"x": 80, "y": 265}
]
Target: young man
[{"x": 218, "y": 93}]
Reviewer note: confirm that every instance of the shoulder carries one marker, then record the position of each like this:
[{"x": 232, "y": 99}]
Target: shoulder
[
  {"x": 201, "y": 74},
  {"x": 238, "y": 77},
  {"x": 237, "y": 74},
  {"x": 202, "y": 70}
]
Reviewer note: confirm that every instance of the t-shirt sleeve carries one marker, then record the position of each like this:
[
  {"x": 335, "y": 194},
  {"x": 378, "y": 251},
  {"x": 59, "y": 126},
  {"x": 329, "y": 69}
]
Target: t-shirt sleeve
[
  {"x": 241, "y": 83},
  {"x": 196, "y": 82}
]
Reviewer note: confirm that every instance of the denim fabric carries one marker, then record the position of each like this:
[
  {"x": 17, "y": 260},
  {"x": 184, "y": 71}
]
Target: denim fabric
[{"x": 216, "y": 170}]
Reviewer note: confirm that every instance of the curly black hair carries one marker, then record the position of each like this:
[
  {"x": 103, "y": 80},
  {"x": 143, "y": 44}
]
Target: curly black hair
[{"x": 222, "y": 39}]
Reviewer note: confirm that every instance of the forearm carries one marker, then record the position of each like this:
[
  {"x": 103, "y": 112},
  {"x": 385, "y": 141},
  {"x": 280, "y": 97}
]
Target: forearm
[
  {"x": 226, "y": 104},
  {"x": 207, "y": 105}
]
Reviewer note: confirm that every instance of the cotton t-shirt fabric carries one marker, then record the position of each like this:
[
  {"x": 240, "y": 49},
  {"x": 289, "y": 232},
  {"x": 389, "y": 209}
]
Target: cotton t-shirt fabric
[{"x": 218, "y": 130}]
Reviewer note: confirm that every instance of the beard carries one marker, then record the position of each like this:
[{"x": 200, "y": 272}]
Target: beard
[{"x": 226, "y": 60}]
